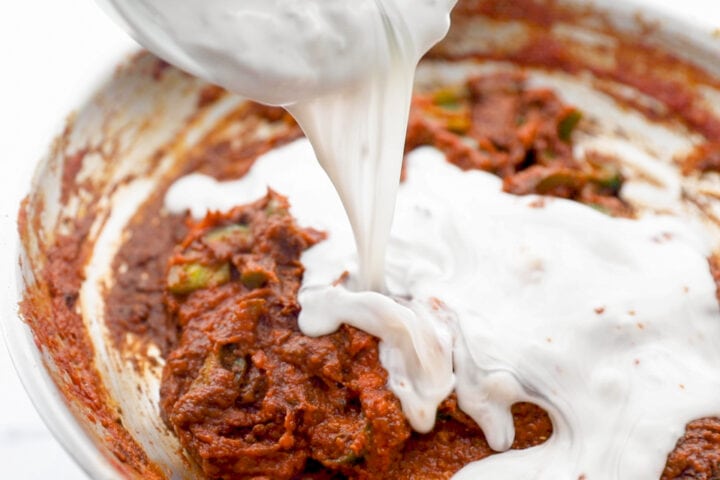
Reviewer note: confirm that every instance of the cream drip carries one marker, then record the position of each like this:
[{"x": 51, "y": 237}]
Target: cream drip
[
  {"x": 498, "y": 300},
  {"x": 485, "y": 295},
  {"x": 343, "y": 69}
]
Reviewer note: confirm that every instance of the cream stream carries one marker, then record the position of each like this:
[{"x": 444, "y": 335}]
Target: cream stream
[
  {"x": 507, "y": 297},
  {"x": 482, "y": 293},
  {"x": 344, "y": 69}
]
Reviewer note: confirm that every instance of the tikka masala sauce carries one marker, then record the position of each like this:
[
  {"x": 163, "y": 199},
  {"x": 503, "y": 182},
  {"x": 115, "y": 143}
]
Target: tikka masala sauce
[
  {"x": 246, "y": 393},
  {"x": 250, "y": 396}
]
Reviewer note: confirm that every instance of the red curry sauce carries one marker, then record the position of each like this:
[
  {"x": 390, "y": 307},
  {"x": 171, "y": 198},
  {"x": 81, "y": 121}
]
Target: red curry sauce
[
  {"x": 250, "y": 396},
  {"x": 529, "y": 150}
]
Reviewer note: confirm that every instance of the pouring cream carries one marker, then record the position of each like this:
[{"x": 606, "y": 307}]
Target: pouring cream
[
  {"x": 345, "y": 71},
  {"x": 609, "y": 324},
  {"x": 482, "y": 294}
]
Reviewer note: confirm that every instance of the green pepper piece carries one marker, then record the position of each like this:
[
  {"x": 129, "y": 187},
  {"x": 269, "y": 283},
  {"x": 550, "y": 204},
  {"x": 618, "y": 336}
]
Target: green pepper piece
[
  {"x": 254, "y": 278},
  {"x": 449, "y": 97},
  {"x": 204, "y": 376},
  {"x": 568, "y": 124},
  {"x": 186, "y": 278},
  {"x": 239, "y": 366},
  {"x": 599, "y": 208},
  {"x": 608, "y": 176},
  {"x": 231, "y": 361},
  {"x": 613, "y": 182},
  {"x": 275, "y": 208},
  {"x": 351, "y": 458},
  {"x": 557, "y": 179},
  {"x": 459, "y": 124}
]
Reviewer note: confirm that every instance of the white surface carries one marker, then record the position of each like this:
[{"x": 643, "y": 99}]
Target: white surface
[{"x": 50, "y": 51}]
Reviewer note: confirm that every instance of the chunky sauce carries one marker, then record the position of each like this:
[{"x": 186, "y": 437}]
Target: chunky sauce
[
  {"x": 456, "y": 440},
  {"x": 695, "y": 455},
  {"x": 251, "y": 396}
]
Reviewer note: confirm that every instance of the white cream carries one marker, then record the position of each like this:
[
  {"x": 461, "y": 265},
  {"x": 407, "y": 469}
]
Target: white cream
[
  {"x": 486, "y": 295},
  {"x": 282, "y": 52},
  {"x": 498, "y": 300},
  {"x": 344, "y": 69}
]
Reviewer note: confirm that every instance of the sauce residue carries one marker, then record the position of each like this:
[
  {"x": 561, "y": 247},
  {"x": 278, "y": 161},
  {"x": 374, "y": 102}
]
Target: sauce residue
[
  {"x": 460, "y": 325},
  {"x": 440, "y": 307}
]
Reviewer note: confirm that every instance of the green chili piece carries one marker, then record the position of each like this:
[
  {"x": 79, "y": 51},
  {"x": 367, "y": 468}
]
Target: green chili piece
[
  {"x": 240, "y": 365},
  {"x": 239, "y": 368},
  {"x": 557, "y": 179},
  {"x": 459, "y": 124},
  {"x": 449, "y": 97},
  {"x": 186, "y": 278},
  {"x": 275, "y": 208},
  {"x": 568, "y": 124},
  {"x": 351, "y": 458},
  {"x": 608, "y": 176},
  {"x": 599, "y": 208},
  {"x": 204, "y": 376},
  {"x": 613, "y": 183}
]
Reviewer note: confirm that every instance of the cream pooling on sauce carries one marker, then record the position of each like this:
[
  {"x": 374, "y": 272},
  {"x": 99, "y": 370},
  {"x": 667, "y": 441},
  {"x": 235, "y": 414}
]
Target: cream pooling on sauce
[
  {"x": 611, "y": 325},
  {"x": 345, "y": 71},
  {"x": 343, "y": 68},
  {"x": 619, "y": 386}
]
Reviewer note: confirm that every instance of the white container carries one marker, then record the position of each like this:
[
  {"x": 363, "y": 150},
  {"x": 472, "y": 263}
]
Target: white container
[{"x": 136, "y": 114}]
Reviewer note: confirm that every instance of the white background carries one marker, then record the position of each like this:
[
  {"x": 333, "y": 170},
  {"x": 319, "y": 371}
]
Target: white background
[{"x": 50, "y": 52}]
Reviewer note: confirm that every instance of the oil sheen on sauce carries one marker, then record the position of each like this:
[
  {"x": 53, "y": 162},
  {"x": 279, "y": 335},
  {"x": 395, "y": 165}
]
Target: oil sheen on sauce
[{"x": 609, "y": 324}]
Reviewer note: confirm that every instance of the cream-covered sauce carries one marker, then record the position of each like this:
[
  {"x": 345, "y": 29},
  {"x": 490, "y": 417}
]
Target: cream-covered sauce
[
  {"x": 609, "y": 324},
  {"x": 281, "y": 52},
  {"x": 344, "y": 69}
]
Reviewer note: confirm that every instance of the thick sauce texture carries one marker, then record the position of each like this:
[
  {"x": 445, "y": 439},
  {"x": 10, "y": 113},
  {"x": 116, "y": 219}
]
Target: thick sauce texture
[
  {"x": 250, "y": 396},
  {"x": 135, "y": 305},
  {"x": 523, "y": 135}
]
